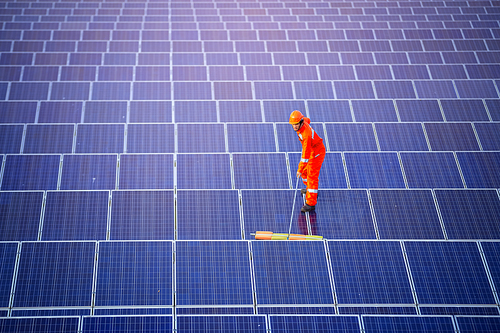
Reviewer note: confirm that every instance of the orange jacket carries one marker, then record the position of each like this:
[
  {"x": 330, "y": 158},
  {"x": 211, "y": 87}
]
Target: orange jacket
[{"x": 312, "y": 144}]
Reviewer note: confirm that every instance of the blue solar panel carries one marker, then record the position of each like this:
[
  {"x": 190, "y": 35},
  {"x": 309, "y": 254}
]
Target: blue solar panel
[
  {"x": 464, "y": 110},
  {"x": 313, "y": 90},
  {"x": 369, "y": 273},
  {"x": 451, "y": 136},
  {"x": 342, "y": 214},
  {"x": 89, "y": 172},
  {"x": 374, "y": 110},
  {"x": 400, "y": 324},
  {"x": 155, "y": 171},
  {"x": 419, "y": 110},
  {"x": 314, "y": 323},
  {"x": 374, "y": 170},
  {"x": 100, "y": 138},
  {"x": 354, "y": 90},
  {"x": 332, "y": 173},
  {"x": 476, "y": 89},
  {"x": 448, "y": 273},
  {"x": 242, "y": 138},
  {"x": 134, "y": 273},
  {"x": 42, "y": 325},
  {"x": 494, "y": 109},
  {"x": 195, "y": 111},
  {"x": 60, "y": 112},
  {"x": 260, "y": 171},
  {"x": 470, "y": 214},
  {"x": 30, "y": 172},
  {"x": 122, "y": 324},
  {"x": 480, "y": 169},
  {"x": 279, "y": 111},
  {"x": 150, "y": 138},
  {"x": 431, "y": 170},
  {"x": 406, "y": 214},
  {"x": 488, "y": 135},
  {"x": 273, "y": 90},
  {"x": 217, "y": 215},
  {"x": 478, "y": 324},
  {"x": 55, "y": 274},
  {"x": 20, "y": 215},
  {"x": 351, "y": 137},
  {"x": 278, "y": 214},
  {"x": 75, "y": 215},
  {"x": 142, "y": 215},
  {"x": 329, "y": 111},
  {"x": 150, "y": 112},
  {"x": 223, "y": 324},
  {"x": 282, "y": 276},
  {"x": 240, "y": 111},
  {"x": 11, "y": 137},
  {"x": 401, "y": 137},
  {"x": 394, "y": 89},
  {"x": 49, "y": 139},
  {"x": 209, "y": 171},
  {"x": 105, "y": 112},
  {"x": 8, "y": 253},
  {"x": 213, "y": 273}
]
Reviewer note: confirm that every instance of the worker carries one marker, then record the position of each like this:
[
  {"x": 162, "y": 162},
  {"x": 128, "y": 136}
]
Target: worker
[{"x": 313, "y": 155}]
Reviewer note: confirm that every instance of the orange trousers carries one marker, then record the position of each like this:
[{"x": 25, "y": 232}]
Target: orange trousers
[{"x": 310, "y": 177}]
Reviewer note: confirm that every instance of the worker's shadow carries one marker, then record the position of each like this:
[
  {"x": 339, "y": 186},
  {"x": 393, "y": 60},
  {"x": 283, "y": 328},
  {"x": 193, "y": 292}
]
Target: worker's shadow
[{"x": 302, "y": 223}]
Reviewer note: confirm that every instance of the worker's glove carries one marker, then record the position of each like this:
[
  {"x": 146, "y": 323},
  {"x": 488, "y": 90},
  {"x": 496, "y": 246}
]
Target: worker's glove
[{"x": 299, "y": 174}]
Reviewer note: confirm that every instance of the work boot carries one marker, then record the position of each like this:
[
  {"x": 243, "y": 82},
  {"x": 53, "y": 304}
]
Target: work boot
[
  {"x": 303, "y": 191},
  {"x": 307, "y": 208}
]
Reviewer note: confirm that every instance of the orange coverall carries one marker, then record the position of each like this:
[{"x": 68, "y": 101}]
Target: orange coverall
[{"x": 313, "y": 155}]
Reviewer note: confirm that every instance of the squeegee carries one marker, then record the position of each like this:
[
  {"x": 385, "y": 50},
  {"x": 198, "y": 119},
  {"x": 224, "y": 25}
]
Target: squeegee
[{"x": 269, "y": 235}]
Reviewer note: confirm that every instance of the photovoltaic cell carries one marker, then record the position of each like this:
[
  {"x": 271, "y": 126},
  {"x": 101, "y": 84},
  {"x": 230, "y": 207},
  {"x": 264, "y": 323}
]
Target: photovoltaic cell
[
  {"x": 329, "y": 111},
  {"x": 240, "y": 111},
  {"x": 406, "y": 214},
  {"x": 213, "y": 273},
  {"x": 401, "y": 137},
  {"x": 134, "y": 273},
  {"x": 478, "y": 324},
  {"x": 419, "y": 110},
  {"x": 203, "y": 171},
  {"x": 8, "y": 253},
  {"x": 342, "y": 214},
  {"x": 195, "y": 111},
  {"x": 314, "y": 323},
  {"x": 279, "y": 111},
  {"x": 480, "y": 169},
  {"x": 142, "y": 215},
  {"x": 49, "y": 139},
  {"x": 464, "y": 110},
  {"x": 251, "y": 138},
  {"x": 400, "y": 324},
  {"x": 122, "y": 324},
  {"x": 451, "y": 136},
  {"x": 251, "y": 324},
  {"x": 332, "y": 173},
  {"x": 146, "y": 171},
  {"x": 379, "y": 270},
  {"x": 60, "y": 112},
  {"x": 374, "y": 170},
  {"x": 45, "y": 325},
  {"x": 105, "y": 112},
  {"x": 351, "y": 137},
  {"x": 431, "y": 170},
  {"x": 55, "y": 274},
  {"x": 150, "y": 138},
  {"x": 89, "y": 172},
  {"x": 313, "y": 90},
  {"x": 11, "y": 137},
  {"x": 488, "y": 135},
  {"x": 282, "y": 276},
  {"x": 470, "y": 214},
  {"x": 216, "y": 217},
  {"x": 260, "y": 171},
  {"x": 277, "y": 218},
  {"x": 75, "y": 215},
  {"x": 448, "y": 273},
  {"x": 374, "y": 110},
  {"x": 30, "y": 172},
  {"x": 100, "y": 138}
]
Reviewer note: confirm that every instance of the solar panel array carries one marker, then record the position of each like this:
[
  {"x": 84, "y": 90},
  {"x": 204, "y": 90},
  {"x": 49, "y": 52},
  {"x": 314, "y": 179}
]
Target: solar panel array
[{"x": 144, "y": 142}]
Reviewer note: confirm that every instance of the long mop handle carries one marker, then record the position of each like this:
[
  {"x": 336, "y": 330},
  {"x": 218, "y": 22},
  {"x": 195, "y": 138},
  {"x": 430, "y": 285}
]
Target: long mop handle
[{"x": 293, "y": 207}]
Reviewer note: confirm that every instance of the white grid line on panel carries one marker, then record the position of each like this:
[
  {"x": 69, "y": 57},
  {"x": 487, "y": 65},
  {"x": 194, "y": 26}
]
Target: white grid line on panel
[
  {"x": 460, "y": 170},
  {"x": 252, "y": 278},
  {"x": 410, "y": 276},
  {"x": 442, "y": 110},
  {"x": 108, "y": 221},
  {"x": 402, "y": 169},
  {"x": 440, "y": 217},
  {"x": 42, "y": 216},
  {"x": 174, "y": 280},
  {"x": 59, "y": 177},
  {"x": 477, "y": 137},
  {"x": 330, "y": 275},
  {"x": 488, "y": 273},
  {"x": 14, "y": 279},
  {"x": 23, "y": 140},
  {"x": 376, "y": 137},
  {"x": 372, "y": 211},
  {"x": 345, "y": 171},
  {"x": 426, "y": 137},
  {"x": 94, "y": 278}
]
